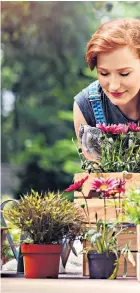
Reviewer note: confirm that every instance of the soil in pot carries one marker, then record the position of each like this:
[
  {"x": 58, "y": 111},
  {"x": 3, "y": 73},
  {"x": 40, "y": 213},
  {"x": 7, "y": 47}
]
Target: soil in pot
[{"x": 101, "y": 265}]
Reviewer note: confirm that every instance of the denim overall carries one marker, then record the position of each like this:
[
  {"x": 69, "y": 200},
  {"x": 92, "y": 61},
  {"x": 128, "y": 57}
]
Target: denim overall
[{"x": 95, "y": 100}]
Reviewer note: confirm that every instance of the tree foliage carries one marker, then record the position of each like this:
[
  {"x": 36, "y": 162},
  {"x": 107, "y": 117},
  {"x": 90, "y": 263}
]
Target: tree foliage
[{"x": 43, "y": 66}]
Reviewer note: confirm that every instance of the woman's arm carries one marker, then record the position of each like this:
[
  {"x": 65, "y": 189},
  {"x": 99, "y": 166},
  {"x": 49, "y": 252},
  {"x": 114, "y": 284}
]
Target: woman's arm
[{"x": 79, "y": 119}]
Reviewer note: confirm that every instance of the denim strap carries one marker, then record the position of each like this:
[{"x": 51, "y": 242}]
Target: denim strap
[{"x": 95, "y": 99}]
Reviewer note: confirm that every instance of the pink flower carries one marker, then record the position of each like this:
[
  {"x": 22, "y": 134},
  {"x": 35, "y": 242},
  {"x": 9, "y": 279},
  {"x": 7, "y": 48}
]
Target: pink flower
[
  {"x": 104, "y": 185},
  {"x": 77, "y": 185},
  {"x": 121, "y": 183},
  {"x": 133, "y": 127},
  {"x": 115, "y": 191},
  {"x": 109, "y": 187},
  {"x": 113, "y": 128},
  {"x": 122, "y": 128}
]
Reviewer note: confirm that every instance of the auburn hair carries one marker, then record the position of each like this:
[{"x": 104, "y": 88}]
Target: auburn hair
[{"x": 113, "y": 35}]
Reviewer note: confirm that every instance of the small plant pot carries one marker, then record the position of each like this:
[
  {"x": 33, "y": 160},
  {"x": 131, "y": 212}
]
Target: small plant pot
[
  {"x": 41, "y": 261},
  {"x": 101, "y": 265}
]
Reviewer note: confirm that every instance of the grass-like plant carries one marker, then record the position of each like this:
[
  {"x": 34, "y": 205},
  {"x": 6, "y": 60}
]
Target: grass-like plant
[{"x": 45, "y": 219}]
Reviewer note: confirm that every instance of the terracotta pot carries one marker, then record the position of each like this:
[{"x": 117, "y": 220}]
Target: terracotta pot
[{"x": 41, "y": 261}]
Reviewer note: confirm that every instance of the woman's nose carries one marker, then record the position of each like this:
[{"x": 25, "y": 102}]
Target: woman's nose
[{"x": 114, "y": 84}]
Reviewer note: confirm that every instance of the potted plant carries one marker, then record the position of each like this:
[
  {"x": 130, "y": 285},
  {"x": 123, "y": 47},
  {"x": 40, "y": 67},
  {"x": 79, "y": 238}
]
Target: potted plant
[
  {"x": 44, "y": 221},
  {"x": 103, "y": 249},
  {"x": 117, "y": 148}
]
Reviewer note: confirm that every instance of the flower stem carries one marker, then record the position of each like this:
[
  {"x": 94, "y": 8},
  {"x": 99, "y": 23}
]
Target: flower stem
[
  {"x": 120, "y": 148},
  {"x": 88, "y": 216},
  {"x": 115, "y": 209},
  {"x": 131, "y": 150},
  {"x": 85, "y": 213},
  {"x": 104, "y": 208},
  {"x": 119, "y": 202}
]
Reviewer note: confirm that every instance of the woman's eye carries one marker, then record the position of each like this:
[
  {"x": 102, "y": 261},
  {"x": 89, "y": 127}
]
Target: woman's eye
[
  {"x": 104, "y": 74},
  {"x": 124, "y": 74}
]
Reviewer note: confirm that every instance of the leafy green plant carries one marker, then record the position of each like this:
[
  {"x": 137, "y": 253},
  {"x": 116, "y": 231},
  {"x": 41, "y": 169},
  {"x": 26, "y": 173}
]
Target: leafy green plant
[
  {"x": 45, "y": 219},
  {"x": 132, "y": 205},
  {"x": 118, "y": 148}
]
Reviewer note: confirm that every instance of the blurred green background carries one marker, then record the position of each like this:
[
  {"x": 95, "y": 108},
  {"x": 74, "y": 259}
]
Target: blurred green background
[{"x": 43, "y": 68}]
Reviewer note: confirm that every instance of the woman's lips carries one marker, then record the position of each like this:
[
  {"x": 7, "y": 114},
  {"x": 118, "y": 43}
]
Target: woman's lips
[{"x": 117, "y": 95}]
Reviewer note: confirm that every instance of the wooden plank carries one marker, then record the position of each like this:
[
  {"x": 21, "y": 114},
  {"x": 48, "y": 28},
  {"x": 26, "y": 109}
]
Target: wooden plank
[
  {"x": 132, "y": 180},
  {"x": 129, "y": 238},
  {"x": 96, "y": 205}
]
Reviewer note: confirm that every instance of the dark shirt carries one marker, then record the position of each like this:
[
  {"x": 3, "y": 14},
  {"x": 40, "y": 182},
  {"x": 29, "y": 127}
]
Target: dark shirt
[{"x": 112, "y": 113}]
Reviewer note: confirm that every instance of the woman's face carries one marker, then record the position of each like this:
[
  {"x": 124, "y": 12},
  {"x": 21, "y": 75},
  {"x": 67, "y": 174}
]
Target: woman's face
[{"x": 119, "y": 75}]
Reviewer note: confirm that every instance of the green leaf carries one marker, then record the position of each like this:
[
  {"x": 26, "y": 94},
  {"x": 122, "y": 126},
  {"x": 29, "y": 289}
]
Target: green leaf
[
  {"x": 131, "y": 258},
  {"x": 125, "y": 268}
]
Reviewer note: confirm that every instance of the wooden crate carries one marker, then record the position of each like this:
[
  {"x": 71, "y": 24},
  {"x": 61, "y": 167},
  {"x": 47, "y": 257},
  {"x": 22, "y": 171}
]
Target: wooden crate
[
  {"x": 94, "y": 203},
  {"x": 131, "y": 270},
  {"x": 132, "y": 180}
]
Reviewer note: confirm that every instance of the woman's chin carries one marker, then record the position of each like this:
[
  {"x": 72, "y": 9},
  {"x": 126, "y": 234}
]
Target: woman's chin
[{"x": 117, "y": 102}]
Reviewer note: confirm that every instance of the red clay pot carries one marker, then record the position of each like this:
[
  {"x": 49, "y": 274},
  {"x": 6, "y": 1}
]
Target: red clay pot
[{"x": 41, "y": 260}]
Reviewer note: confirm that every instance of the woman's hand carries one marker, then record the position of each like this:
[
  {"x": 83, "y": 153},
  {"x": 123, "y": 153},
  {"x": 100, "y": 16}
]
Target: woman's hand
[
  {"x": 90, "y": 141},
  {"x": 78, "y": 120}
]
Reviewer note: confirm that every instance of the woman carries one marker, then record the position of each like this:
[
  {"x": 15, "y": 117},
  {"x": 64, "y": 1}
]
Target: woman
[{"x": 114, "y": 50}]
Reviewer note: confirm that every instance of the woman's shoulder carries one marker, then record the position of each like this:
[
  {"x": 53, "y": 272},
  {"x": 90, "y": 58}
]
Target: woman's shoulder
[
  {"x": 84, "y": 94},
  {"x": 82, "y": 99}
]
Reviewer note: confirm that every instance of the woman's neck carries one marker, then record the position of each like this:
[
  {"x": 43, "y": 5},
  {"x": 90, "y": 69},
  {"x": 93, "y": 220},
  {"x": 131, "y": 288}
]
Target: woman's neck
[{"x": 132, "y": 109}]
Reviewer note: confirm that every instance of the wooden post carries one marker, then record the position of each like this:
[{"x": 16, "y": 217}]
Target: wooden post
[{"x": 138, "y": 253}]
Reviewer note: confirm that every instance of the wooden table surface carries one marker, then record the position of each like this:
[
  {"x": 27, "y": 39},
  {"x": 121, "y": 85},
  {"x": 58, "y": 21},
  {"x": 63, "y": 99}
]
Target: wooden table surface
[{"x": 68, "y": 284}]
